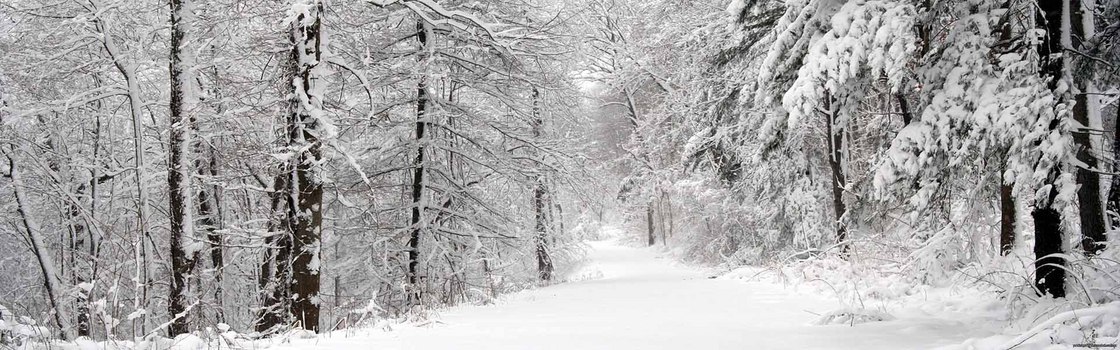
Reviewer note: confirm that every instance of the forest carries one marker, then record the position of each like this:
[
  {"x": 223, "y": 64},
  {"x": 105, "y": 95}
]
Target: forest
[{"x": 246, "y": 173}]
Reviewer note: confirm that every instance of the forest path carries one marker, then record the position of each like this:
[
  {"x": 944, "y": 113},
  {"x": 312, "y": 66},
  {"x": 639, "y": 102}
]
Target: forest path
[{"x": 644, "y": 301}]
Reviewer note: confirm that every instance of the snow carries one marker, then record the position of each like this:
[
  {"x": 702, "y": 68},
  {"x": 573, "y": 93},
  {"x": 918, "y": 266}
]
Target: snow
[
  {"x": 642, "y": 300},
  {"x": 735, "y": 7}
]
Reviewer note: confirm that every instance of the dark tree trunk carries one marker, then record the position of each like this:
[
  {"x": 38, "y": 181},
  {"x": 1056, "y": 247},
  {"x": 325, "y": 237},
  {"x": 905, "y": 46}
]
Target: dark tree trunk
[
  {"x": 1088, "y": 193},
  {"x": 1089, "y": 204},
  {"x": 305, "y": 215},
  {"x": 81, "y": 243},
  {"x": 904, "y": 109},
  {"x": 672, "y": 224},
  {"x": 178, "y": 175},
  {"x": 662, "y": 227},
  {"x": 544, "y": 261},
  {"x": 274, "y": 269},
  {"x": 540, "y": 205},
  {"x": 1008, "y": 211},
  {"x": 559, "y": 220},
  {"x": 1049, "y": 269},
  {"x": 209, "y": 222},
  {"x": 209, "y": 201},
  {"x": 414, "y": 293},
  {"x": 1114, "y": 187},
  {"x": 836, "y": 163},
  {"x": 1007, "y": 218},
  {"x": 649, "y": 224}
]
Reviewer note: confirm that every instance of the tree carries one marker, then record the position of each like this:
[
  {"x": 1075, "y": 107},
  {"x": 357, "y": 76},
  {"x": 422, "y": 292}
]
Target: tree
[
  {"x": 541, "y": 209},
  {"x": 846, "y": 52},
  {"x": 1086, "y": 113},
  {"x": 51, "y": 279},
  {"x": 1050, "y": 270},
  {"x": 257, "y": 168},
  {"x": 417, "y": 221},
  {"x": 184, "y": 251},
  {"x": 308, "y": 128}
]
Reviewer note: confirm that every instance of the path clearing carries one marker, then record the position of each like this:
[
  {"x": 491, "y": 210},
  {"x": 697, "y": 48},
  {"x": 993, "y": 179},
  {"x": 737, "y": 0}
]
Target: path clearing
[{"x": 645, "y": 302}]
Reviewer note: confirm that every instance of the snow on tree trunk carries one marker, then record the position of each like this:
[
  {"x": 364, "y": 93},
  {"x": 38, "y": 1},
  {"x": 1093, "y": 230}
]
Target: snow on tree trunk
[
  {"x": 1048, "y": 235},
  {"x": 47, "y": 266},
  {"x": 540, "y": 207},
  {"x": 1085, "y": 113},
  {"x": 209, "y": 220},
  {"x": 184, "y": 251},
  {"x": 128, "y": 71},
  {"x": 1007, "y": 207},
  {"x": 835, "y": 138},
  {"x": 80, "y": 242},
  {"x": 1114, "y": 188},
  {"x": 275, "y": 268},
  {"x": 307, "y": 129},
  {"x": 418, "y": 186},
  {"x": 544, "y": 261}
]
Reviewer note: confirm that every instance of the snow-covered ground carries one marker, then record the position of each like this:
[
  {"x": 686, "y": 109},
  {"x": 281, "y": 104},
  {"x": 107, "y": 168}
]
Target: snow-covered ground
[{"x": 644, "y": 301}]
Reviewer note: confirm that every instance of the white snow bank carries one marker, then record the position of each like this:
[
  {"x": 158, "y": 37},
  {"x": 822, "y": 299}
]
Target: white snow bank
[{"x": 1090, "y": 327}]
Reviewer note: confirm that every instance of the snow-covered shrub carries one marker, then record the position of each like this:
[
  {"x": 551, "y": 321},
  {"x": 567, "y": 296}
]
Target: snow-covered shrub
[
  {"x": 849, "y": 316},
  {"x": 6, "y": 321},
  {"x": 18, "y": 331}
]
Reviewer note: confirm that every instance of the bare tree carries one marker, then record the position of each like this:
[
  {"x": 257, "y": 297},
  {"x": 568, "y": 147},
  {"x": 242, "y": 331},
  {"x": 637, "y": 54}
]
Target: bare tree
[
  {"x": 184, "y": 254},
  {"x": 307, "y": 130}
]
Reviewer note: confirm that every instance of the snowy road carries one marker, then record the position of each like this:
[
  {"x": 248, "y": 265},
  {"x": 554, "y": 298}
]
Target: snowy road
[{"x": 645, "y": 302}]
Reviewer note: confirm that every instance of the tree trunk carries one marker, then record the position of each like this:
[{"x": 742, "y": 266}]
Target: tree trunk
[
  {"x": 209, "y": 201},
  {"x": 1049, "y": 269},
  {"x": 540, "y": 207},
  {"x": 418, "y": 207},
  {"x": 544, "y": 261},
  {"x": 132, "y": 85},
  {"x": 1091, "y": 209},
  {"x": 664, "y": 206},
  {"x": 1048, "y": 236},
  {"x": 649, "y": 224},
  {"x": 836, "y": 163},
  {"x": 305, "y": 206},
  {"x": 904, "y": 109},
  {"x": 51, "y": 281},
  {"x": 80, "y": 244},
  {"x": 210, "y": 221},
  {"x": 274, "y": 269},
  {"x": 558, "y": 220},
  {"x": 183, "y": 257},
  {"x": 1007, "y": 217},
  {"x": 1114, "y": 188}
]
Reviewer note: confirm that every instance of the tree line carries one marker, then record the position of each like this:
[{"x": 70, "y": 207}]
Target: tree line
[
  {"x": 276, "y": 165},
  {"x": 926, "y": 135}
]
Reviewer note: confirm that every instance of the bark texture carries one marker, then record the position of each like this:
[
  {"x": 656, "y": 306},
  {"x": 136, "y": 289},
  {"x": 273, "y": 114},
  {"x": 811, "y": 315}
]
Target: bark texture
[
  {"x": 836, "y": 164},
  {"x": 179, "y": 174},
  {"x": 418, "y": 206},
  {"x": 305, "y": 215},
  {"x": 1048, "y": 235}
]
